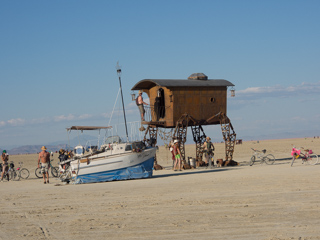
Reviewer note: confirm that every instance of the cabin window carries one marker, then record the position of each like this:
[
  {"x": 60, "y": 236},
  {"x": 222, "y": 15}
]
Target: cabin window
[{"x": 128, "y": 148}]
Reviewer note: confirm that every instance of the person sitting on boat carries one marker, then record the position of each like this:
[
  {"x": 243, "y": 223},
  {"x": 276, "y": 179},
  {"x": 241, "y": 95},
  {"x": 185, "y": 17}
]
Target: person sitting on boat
[
  {"x": 70, "y": 154},
  {"x": 140, "y": 102}
]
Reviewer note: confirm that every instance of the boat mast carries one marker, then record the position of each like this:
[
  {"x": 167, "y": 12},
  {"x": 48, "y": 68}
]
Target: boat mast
[{"x": 124, "y": 112}]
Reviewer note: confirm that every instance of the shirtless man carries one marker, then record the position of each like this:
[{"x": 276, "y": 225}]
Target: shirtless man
[
  {"x": 140, "y": 103},
  {"x": 44, "y": 156}
]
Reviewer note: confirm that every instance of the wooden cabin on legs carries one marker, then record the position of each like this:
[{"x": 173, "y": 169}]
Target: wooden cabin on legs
[{"x": 178, "y": 104}]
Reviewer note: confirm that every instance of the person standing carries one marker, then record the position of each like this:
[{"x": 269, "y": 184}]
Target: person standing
[
  {"x": 140, "y": 102},
  {"x": 177, "y": 154},
  {"x": 171, "y": 146},
  {"x": 5, "y": 165},
  {"x": 44, "y": 157},
  {"x": 208, "y": 151}
]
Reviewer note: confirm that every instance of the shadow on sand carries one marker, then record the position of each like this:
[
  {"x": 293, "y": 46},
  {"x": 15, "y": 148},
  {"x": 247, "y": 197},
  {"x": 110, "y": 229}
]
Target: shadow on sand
[{"x": 194, "y": 171}]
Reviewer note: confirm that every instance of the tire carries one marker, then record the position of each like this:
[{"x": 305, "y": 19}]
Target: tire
[
  {"x": 66, "y": 175},
  {"x": 10, "y": 176},
  {"x": 269, "y": 159},
  {"x": 55, "y": 171},
  {"x": 252, "y": 160},
  {"x": 293, "y": 158},
  {"x": 312, "y": 159},
  {"x": 38, "y": 172},
  {"x": 13, "y": 176},
  {"x": 24, "y": 173}
]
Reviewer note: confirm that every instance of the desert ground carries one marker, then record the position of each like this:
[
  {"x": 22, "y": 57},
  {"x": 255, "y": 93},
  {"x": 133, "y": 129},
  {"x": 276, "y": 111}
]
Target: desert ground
[{"x": 242, "y": 202}]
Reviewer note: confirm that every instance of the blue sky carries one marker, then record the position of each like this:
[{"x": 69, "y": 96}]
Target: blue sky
[{"x": 58, "y": 58}]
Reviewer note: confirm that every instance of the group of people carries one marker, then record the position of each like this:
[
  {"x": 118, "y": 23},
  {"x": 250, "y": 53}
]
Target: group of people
[
  {"x": 174, "y": 148},
  {"x": 176, "y": 155},
  {"x": 44, "y": 159}
]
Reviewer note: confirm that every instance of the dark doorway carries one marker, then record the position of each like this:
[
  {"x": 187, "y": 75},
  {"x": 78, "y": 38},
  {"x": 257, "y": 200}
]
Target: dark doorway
[{"x": 159, "y": 105}]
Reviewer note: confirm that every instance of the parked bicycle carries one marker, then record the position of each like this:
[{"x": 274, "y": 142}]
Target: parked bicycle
[
  {"x": 65, "y": 173},
  {"x": 54, "y": 171},
  {"x": 261, "y": 155},
  {"x": 309, "y": 157},
  {"x": 18, "y": 173}
]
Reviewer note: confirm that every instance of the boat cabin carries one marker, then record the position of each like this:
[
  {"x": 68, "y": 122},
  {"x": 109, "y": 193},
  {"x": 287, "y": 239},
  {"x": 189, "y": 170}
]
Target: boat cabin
[{"x": 197, "y": 96}]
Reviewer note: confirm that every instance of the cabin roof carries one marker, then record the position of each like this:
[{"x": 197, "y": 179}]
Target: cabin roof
[{"x": 170, "y": 83}]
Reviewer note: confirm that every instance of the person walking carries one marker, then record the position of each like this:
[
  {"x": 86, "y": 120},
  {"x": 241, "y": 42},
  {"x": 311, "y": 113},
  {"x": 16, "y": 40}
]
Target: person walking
[
  {"x": 44, "y": 157},
  {"x": 5, "y": 165},
  {"x": 140, "y": 103},
  {"x": 208, "y": 151},
  {"x": 177, "y": 154}
]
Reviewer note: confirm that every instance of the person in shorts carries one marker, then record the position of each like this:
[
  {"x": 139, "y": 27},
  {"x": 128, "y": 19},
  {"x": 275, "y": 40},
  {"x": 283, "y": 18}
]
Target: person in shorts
[
  {"x": 5, "y": 165},
  {"x": 208, "y": 151},
  {"x": 173, "y": 157},
  {"x": 140, "y": 104},
  {"x": 177, "y": 154},
  {"x": 44, "y": 157}
]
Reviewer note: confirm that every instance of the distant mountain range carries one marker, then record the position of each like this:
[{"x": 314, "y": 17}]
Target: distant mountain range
[
  {"x": 52, "y": 147},
  {"x": 28, "y": 149}
]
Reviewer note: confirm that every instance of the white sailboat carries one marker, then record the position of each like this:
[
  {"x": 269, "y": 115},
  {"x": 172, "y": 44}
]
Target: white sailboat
[{"x": 112, "y": 160}]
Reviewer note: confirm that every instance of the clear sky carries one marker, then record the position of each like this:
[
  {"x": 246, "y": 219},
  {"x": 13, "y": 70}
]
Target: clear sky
[{"x": 58, "y": 58}]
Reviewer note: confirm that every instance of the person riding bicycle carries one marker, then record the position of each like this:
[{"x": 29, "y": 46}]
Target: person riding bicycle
[{"x": 5, "y": 166}]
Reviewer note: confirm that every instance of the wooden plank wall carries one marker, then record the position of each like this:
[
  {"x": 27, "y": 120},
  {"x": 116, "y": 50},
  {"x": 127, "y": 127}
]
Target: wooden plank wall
[{"x": 200, "y": 103}]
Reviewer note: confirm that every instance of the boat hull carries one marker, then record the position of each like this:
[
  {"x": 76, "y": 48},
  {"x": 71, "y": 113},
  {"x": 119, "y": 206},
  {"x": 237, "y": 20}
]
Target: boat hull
[{"x": 122, "y": 166}]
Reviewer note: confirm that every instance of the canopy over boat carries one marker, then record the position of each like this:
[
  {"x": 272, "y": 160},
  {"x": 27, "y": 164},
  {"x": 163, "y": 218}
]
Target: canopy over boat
[{"x": 87, "y": 128}]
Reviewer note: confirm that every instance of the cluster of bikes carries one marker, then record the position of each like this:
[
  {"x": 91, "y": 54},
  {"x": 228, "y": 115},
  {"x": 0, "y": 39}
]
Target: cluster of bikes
[
  {"x": 17, "y": 173},
  {"x": 306, "y": 155}
]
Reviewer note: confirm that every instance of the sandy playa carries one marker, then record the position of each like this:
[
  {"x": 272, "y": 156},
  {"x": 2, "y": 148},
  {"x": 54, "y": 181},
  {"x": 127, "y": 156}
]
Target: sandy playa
[{"x": 243, "y": 202}]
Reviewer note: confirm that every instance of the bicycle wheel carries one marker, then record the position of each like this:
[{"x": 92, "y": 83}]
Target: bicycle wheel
[
  {"x": 269, "y": 159},
  {"x": 312, "y": 159},
  {"x": 55, "y": 171},
  {"x": 293, "y": 158},
  {"x": 5, "y": 176},
  {"x": 66, "y": 175},
  {"x": 24, "y": 173},
  {"x": 10, "y": 173},
  {"x": 252, "y": 160},
  {"x": 38, "y": 173},
  {"x": 13, "y": 175}
]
